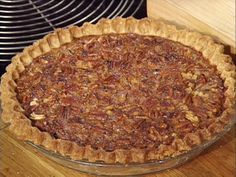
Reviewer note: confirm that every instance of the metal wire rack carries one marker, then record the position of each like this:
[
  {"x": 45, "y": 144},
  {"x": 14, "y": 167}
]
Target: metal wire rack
[{"x": 24, "y": 21}]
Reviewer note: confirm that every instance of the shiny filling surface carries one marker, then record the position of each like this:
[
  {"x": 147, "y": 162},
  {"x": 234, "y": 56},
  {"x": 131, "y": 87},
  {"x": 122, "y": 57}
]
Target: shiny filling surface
[{"x": 121, "y": 91}]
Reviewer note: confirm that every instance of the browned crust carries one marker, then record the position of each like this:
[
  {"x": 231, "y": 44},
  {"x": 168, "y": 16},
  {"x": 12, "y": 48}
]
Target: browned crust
[{"x": 21, "y": 125}]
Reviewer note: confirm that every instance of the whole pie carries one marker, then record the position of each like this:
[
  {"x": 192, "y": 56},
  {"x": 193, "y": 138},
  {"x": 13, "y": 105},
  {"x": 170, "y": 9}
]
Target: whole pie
[{"x": 122, "y": 90}]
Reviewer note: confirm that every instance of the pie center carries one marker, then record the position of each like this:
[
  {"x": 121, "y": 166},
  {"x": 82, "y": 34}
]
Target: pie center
[{"x": 121, "y": 91}]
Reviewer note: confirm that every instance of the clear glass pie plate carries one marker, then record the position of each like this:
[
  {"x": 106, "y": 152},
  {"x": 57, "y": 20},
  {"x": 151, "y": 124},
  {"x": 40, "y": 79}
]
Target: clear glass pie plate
[{"x": 99, "y": 168}]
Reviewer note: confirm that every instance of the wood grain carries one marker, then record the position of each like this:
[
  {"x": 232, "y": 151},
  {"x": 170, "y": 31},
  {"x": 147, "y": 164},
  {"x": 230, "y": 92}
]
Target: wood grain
[
  {"x": 212, "y": 17},
  {"x": 19, "y": 159}
]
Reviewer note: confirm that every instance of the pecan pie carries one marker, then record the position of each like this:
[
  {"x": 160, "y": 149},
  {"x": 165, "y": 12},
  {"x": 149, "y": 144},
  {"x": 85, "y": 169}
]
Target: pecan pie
[{"x": 123, "y": 90}]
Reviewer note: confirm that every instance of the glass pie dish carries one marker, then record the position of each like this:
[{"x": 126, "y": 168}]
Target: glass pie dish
[
  {"x": 150, "y": 96},
  {"x": 100, "y": 168}
]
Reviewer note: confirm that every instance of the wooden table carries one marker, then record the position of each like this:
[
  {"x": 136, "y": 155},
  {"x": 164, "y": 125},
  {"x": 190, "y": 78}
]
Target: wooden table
[{"x": 18, "y": 159}]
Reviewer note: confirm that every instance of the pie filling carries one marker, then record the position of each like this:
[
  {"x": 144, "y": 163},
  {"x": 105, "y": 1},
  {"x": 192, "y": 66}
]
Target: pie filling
[{"x": 121, "y": 91}]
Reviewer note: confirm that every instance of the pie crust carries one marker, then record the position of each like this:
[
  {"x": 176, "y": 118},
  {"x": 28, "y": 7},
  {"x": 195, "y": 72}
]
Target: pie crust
[{"x": 21, "y": 126}]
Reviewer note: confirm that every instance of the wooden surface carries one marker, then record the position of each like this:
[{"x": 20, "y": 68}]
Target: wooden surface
[
  {"x": 21, "y": 160},
  {"x": 18, "y": 159},
  {"x": 212, "y": 17}
]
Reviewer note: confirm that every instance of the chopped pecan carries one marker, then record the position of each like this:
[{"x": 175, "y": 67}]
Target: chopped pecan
[
  {"x": 34, "y": 102},
  {"x": 83, "y": 64},
  {"x": 34, "y": 116}
]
